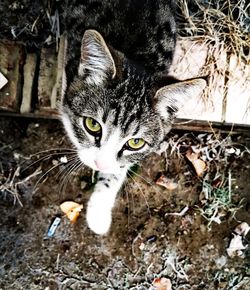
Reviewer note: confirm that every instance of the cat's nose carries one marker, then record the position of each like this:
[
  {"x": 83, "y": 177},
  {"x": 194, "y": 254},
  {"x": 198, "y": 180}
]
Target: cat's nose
[{"x": 101, "y": 165}]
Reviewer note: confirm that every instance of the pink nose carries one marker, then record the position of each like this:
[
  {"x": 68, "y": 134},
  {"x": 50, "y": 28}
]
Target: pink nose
[{"x": 101, "y": 165}]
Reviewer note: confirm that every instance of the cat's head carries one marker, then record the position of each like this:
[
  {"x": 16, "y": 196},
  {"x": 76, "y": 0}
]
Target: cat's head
[{"x": 115, "y": 115}]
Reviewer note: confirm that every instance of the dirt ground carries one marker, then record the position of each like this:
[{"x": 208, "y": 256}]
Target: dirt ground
[{"x": 147, "y": 240}]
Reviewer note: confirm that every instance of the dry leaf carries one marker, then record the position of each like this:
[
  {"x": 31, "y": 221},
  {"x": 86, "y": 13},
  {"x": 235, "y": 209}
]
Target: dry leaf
[
  {"x": 199, "y": 165},
  {"x": 166, "y": 182},
  {"x": 242, "y": 229},
  {"x": 162, "y": 284},
  {"x": 71, "y": 209},
  {"x": 235, "y": 247}
]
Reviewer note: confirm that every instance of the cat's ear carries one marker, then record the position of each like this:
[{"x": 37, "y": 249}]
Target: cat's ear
[
  {"x": 97, "y": 63},
  {"x": 170, "y": 99}
]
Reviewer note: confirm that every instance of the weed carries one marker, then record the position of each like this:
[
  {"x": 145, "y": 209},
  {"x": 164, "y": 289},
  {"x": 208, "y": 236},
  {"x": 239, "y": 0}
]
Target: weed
[{"x": 217, "y": 202}]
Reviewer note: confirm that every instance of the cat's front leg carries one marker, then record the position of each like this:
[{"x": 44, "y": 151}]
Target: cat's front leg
[{"x": 102, "y": 200}]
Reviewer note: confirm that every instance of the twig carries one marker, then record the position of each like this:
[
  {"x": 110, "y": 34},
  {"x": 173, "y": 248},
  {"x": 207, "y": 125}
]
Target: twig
[{"x": 181, "y": 213}]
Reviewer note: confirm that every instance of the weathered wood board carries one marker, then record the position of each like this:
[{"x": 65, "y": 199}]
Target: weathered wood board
[
  {"x": 29, "y": 70},
  {"x": 11, "y": 62},
  {"x": 226, "y": 98}
]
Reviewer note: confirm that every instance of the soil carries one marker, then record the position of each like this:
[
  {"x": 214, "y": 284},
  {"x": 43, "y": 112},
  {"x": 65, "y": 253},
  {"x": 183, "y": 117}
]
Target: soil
[{"x": 144, "y": 243}]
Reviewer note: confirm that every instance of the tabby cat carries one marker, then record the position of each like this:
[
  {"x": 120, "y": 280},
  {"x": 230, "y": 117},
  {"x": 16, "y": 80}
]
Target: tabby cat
[{"x": 118, "y": 102}]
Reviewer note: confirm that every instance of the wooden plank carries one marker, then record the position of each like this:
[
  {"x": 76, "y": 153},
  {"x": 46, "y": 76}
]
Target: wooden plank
[
  {"x": 47, "y": 76},
  {"x": 11, "y": 62},
  {"x": 192, "y": 59},
  {"x": 57, "y": 89},
  {"x": 238, "y": 96},
  {"x": 29, "y": 70}
]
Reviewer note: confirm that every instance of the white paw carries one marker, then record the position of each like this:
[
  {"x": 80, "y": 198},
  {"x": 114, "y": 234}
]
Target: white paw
[{"x": 98, "y": 216}]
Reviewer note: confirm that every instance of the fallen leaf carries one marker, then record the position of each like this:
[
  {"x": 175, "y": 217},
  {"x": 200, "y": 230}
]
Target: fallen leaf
[
  {"x": 235, "y": 247},
  {"x": 242, "y": 229},
  {"x": 71, "y": 209},
  {"x": 198, "y": 164},
  {"x": 162, "y": 284},
  {"x": 166, "y": 182}
]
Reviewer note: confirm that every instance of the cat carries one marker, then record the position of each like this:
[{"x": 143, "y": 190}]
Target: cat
[{"x": 118, "y": 103}]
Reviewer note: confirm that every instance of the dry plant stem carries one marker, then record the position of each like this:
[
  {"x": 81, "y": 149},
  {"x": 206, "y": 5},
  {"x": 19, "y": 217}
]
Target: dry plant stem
[
  {"x": 230, "y": 185},
  {"x": 181, "y": 213},
  {"x": 181, "y": 274},
  {"x": 219, "y": 24},
  {"x": 12, "y": 187}
]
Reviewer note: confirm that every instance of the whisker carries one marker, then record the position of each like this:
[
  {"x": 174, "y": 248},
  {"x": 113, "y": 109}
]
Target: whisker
[
  {"x": 76, "y": 167},
  {"x": 64, "y": 168},
  {"x": 147, "y": 181},
  {"x": 44, "y": 158},
  {"x": 127, "y": 195},
  {"x": 66, "y": 176},
  {"x": 48, "y": 171},
  {"x": 143, "y": 178},
  {"x": 146, "y": 202},
  {"x": 53, "y": 149}
]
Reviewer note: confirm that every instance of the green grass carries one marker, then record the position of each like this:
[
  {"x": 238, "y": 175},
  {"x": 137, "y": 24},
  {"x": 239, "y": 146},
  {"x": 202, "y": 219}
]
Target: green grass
[{"x": 217, "y": 203}]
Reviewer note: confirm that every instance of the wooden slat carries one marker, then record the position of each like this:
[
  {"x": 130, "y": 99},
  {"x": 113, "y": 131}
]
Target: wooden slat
[
  {"x": 29, "y": 70},
  {"x": 11, "y": 62},
  {"x": 238, "y": 96},
  {"x": 47, "y": 76}
]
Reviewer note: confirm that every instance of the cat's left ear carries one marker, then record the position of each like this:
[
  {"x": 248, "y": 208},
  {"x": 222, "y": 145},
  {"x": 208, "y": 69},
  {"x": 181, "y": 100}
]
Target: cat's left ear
[
  {"x": 170, "y": 99},
  {"x": 96, "y": 64}
]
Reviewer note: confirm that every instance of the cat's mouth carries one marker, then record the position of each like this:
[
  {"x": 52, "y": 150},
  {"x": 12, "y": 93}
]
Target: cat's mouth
[
  {"x": 104, "y": 163},
  {"x": 103, "y": 167},
  {"x": 107, "y": 170}
]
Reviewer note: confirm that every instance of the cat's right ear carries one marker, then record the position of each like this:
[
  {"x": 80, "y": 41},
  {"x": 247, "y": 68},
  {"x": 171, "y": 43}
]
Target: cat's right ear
[
  {"x": 97, "y": 64},
  {"x": 170, "y": 99}
]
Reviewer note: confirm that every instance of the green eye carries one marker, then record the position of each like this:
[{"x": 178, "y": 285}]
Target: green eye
[
  {"x": 91, "y": 125},
  {"x": 135, "y": 143}
]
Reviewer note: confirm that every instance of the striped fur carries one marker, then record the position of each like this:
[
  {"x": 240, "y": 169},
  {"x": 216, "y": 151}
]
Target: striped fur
[{"x": 118, "y": 54}]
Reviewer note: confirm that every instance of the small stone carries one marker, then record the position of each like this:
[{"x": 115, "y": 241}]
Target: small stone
[
  {"x": 142, "y": 246},
  {"x": 221, "y": 261},
  {"x": 16, "y": 156},
  {"x": 63, "y": 159},
  {"x": 55, "y": 162}
]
